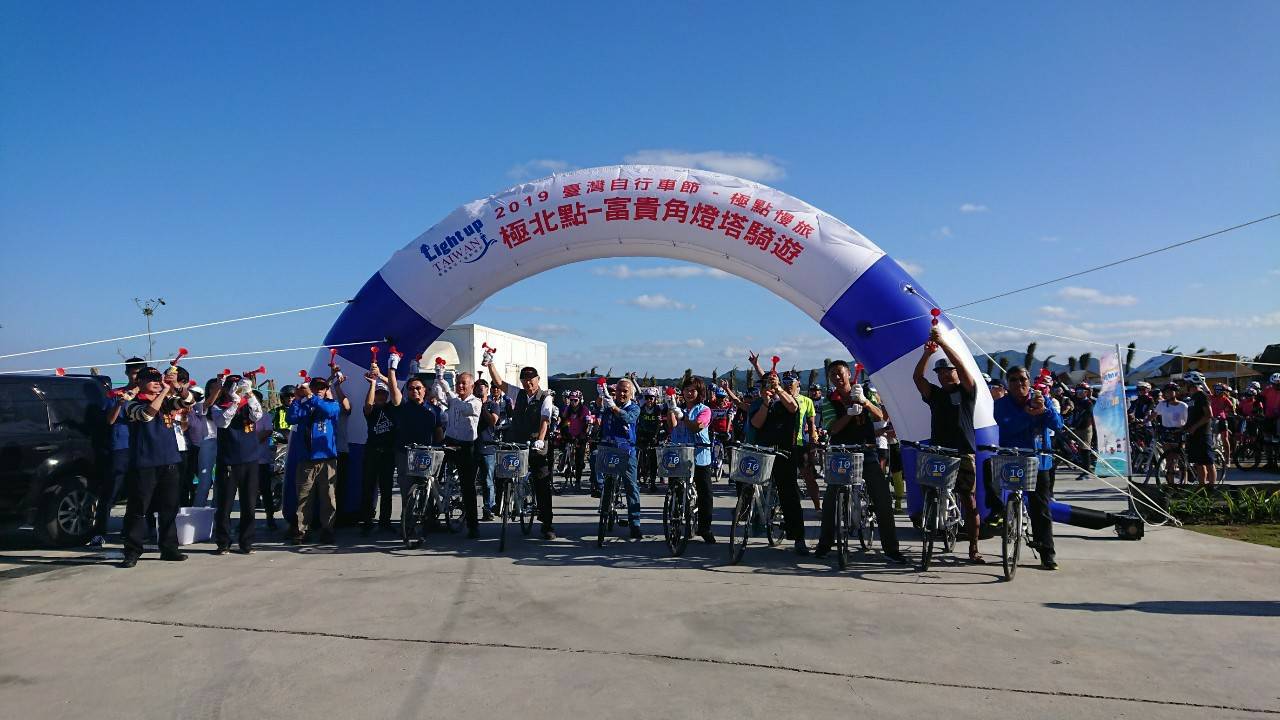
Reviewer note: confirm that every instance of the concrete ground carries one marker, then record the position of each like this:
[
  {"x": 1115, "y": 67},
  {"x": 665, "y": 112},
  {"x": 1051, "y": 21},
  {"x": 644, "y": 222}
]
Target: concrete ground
[{"x": 1178, "y": 625}]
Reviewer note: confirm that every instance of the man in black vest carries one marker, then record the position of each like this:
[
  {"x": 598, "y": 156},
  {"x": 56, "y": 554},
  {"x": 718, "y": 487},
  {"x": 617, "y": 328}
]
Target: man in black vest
[
  {"x": 236, "y": 413},
  {"x": 153, "y": 445},
  {"x": 530, "y": 421}
]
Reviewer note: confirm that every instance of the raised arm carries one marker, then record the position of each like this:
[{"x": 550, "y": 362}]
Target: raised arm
[
  {"x": 966, "y": 380},
  {"x": 917, "y": 376}
]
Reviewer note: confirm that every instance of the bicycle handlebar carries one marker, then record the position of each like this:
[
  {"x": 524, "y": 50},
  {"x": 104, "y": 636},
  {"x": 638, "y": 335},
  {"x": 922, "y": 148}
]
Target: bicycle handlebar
[
  {"x": 1012, "y": 451},
  {"x": 852, "y": 448},
  {"x": 937, "y": 449},
  {"x": 763, "y": 449}
]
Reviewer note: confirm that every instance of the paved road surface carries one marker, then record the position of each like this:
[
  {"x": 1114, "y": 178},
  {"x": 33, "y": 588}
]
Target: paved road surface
[{"x": 1179, "y": 625}]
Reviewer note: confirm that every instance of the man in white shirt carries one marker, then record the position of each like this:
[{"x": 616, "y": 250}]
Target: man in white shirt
[
  {"x": 462, "y": 417},
  {"x": 1173, "y": 417}
]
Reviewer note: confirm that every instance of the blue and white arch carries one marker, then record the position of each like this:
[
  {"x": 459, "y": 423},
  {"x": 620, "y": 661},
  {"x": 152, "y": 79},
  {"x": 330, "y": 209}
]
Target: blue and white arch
[{"x": 805, "y": 256}]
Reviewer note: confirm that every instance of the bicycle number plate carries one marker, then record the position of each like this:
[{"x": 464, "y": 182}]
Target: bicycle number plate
[
  {"x": 751, "y": 467},
  {"x": 611, "y": 459},
  {"x": 511, "y": 463},
  {"x": 675, "y": 461},
  {"x": 1015, "y": 473},
  {"x": 938, "y": 471},
  {"x": 844, "y": 468},
  {"x": 424, "y": 462}
]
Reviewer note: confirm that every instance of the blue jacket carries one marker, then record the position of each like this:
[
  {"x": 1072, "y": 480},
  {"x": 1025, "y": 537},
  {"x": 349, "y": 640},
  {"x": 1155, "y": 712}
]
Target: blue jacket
[
  {"x": 620, "y": 428},
  {"x": 1020, "y": 429},
  {"x": 314, "y": 418}
]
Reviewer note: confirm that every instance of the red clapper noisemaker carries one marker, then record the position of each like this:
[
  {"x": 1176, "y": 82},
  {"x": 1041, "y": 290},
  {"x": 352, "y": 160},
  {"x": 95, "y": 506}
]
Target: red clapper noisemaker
[
  {"x": 776, "y": 360},
  {"x": 182, "y": 352},
  {"x": 935, "y": 312},
  {"x": 262, "y": 370},
  {"x": 303, "y": 374},
  {"x": 333, "y": 357},
  {"x": 857, "y": 372}
]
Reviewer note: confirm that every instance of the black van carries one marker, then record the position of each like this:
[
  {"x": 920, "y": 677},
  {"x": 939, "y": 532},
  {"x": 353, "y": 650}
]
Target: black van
[{"x": 53, "y": 441}]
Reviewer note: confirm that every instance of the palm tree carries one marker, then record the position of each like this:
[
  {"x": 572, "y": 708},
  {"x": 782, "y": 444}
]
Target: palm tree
[
  {"x": 592, "y": 371},
  {"x": 1085, "y": 359},
  {"x": 1071, "y": 363},
  {"x": 991, "y": 364},
  {"x": 1130, "y": 349},
  {"x": 1045, "y": 363},
  {"x": 813, "y": 377},
  {"x": 1170, "y": 350},
  {"x": 1004, "y": 366},
  {"x": 1030, "y": 357}
]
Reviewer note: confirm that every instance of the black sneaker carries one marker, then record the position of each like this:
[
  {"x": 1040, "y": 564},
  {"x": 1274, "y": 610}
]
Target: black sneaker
[
  {"x": 1048, "y": 564},
  {"x": 801, "y": 549},
  {"x": 129, "y": 561},
  {"x": 708, "y": 538},
  {"x": 173, "y": 557},
  {"x": 897, "y": 558},
  {"x": 821, "y": 551},
  {"x": 293, "y": 540},
  {"x": 222, "y": 551},
  {"x": 595, "y": 492},
  {"x": 488, "y": 515},
  {"x": 548, "y": 534},
  {"x": 473, "y": 532},
  {"x": 636, "y": 533}
]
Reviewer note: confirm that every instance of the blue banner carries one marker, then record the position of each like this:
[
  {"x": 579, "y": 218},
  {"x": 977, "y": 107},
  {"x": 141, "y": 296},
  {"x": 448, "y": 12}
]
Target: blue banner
[{"x": 1111, "y": 419}]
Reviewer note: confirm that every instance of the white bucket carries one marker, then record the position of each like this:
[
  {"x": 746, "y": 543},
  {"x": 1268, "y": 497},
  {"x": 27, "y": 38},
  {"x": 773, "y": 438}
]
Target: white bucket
[{"x": 195, "y": 524}]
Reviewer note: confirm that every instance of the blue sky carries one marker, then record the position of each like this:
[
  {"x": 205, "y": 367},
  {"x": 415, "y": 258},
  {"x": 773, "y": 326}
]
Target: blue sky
[{"x": 241, "y": 158}]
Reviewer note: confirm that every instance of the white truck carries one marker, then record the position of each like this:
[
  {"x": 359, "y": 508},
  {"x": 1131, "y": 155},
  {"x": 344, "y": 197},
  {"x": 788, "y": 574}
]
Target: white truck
[{"x": 514, "y": 351}]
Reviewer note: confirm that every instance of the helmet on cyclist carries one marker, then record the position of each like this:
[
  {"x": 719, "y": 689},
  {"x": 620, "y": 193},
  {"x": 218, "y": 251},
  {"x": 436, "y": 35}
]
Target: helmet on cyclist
[
  {"x": 1250, "y": 392},
  {"x": 1219, "y": 387},
  {"x": 986, "y": 378},
  {"x": 1274, "y": 379},
  {"x": 650, "y": 392},
  {"x": 287, "y": 391},
  {"x": 720, "y": 392},
  {"x": 1194, "y": 378},
  {"x": 1170, "y": 386},
  {"x": 575, "y": 394},
  {"x": 1144, "y": 385}
]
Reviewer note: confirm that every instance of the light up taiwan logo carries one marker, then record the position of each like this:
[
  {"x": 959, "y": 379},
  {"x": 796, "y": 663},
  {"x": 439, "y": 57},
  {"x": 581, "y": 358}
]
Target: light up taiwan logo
[
  {"x": 671, "y": 460},
  {"x": 462, "y": 247},
  {"x": 749, "y": 467}
]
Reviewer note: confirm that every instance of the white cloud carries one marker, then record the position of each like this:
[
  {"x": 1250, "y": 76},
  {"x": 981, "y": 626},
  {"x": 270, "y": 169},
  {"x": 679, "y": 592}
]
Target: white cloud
[
  {"x": 747, "y": 165},
  {"x": 1095, "y": 296},
  {"x": 942, "y": 233},
  {"x": 1276, "y": 272},
  {"x": 972, "y": 208},
  {"x": 537, "y": 168},
  {"x": 1054, "y": 311},
  {"x": 626, "y": 272},
  {"x": 912, "y": 267},
  {"x": 656, "y": 302}
]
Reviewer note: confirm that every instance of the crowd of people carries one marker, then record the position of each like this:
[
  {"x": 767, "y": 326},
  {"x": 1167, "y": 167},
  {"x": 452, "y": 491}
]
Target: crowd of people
[{"x": 175, "y": 443}]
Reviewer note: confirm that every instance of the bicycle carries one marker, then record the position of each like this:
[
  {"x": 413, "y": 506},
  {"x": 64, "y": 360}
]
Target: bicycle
[
  {"x": 611, "y": 460},
  {"x": 680, "y": 507},
  {"x": 515, "y": 493},
  {"x": 936, "y": 471},
  {"x": 423, "y": 494},
  {"x": 853, "y": 515},
  {"x": 752, "y": 468},
  {"x": 1017, "y": 470},
  {"x": 451, "y": 507}
]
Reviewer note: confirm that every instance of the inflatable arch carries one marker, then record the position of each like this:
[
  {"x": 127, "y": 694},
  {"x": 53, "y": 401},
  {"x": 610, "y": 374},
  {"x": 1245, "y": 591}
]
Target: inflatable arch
[{"x": 805, "y": 256}]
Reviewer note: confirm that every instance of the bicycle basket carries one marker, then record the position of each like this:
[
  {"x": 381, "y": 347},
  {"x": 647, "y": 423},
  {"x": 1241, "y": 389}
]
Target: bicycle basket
[
  {"x": 424, "y": 462},
  {"x": 612, "y": 460},
  {"x": 844, "y": 467},
  {"x": 675, "y": 461},
  {"x": 1015, "y": 473},
  {"x": 750, "y": 466},
  {"x": 936, "y": 471},
  {"x": 511, "y": 464}
]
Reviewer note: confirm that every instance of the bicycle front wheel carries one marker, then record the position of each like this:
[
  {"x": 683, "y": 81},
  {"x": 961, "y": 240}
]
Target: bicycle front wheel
[
  {"x": 674, "y": 517},
  {"x": 927, "y": 526},
  {"x": 409, "y": 514},
  {"x": 1155, "y": 488},
  {"x": 1011, "y": 544},
  {"x": 951, "y": 525},
  {"x": 504, "y": 506},
  {"x": 606, "y": 512},
  {"x": 740, "y": 527},
  {"x": 842, "y": 527}
]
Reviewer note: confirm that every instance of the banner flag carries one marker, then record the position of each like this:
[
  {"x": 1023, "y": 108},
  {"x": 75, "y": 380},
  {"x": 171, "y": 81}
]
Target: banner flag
[{"x": 1111, "y": 418}]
